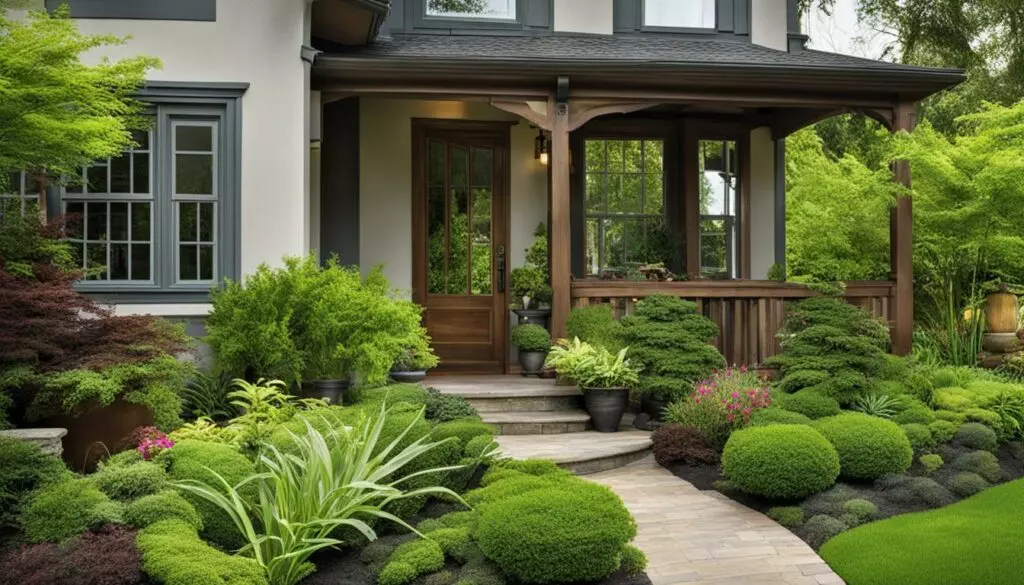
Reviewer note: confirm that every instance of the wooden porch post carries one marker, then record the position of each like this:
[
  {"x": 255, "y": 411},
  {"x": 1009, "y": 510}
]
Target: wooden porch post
[
  {"x": 901, "y": 243},
  {"x": 560, "y": 214}
]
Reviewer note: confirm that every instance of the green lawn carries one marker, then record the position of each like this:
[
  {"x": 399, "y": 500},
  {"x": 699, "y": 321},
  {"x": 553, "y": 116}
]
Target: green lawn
[{"x": 979, "y": 541}]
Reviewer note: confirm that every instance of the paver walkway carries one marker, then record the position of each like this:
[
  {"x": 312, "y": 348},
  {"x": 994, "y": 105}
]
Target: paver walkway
[{"x": 695, "y": 536}]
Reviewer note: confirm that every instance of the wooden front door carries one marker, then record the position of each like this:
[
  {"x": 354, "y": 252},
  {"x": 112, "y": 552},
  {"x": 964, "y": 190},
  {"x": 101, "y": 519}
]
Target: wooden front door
[{"x": 460, "y": 235}]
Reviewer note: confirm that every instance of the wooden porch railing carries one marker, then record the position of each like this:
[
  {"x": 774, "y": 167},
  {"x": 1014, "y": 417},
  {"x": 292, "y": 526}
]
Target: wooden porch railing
[{"x": 749, "y": 313}]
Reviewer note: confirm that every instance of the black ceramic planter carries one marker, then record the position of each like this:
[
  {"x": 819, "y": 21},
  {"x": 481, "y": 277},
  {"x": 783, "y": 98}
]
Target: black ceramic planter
[
  {"x": 331, "y": 390},
  {"x": 606, "y": 407},
  {"x": 532, "y": 361},
  {"x": 409, "y": 377},
  {"x": 533, "y": 316}
]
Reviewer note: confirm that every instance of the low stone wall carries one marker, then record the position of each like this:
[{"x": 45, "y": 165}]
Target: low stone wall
[{"x": 49, "y": 440}]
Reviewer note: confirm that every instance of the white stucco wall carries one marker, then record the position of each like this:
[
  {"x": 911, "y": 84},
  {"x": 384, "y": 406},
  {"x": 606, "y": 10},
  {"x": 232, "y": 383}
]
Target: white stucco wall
[
  {"x": 584, "y": 16},
  {"x": 768, "y": 26},
  {"x": 256, "y": 42},
  {"x": 762, "y": 202},
  {"x": 385, "y": 181}
]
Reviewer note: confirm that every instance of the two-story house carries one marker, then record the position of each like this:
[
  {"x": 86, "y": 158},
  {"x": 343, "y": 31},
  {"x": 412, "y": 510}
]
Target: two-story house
[{"x": 432, "y": 136}]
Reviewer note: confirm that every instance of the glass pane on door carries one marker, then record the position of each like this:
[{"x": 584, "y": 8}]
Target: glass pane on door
[{"x": 460, "y": 191}]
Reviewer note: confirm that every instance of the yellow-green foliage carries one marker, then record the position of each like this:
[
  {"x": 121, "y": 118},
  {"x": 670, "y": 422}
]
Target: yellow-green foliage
[
  {"x": 453, "y": 541},
  {"x": 780, "y": 461},
  {"x": 634, "y": 561},
  {"x": 464, "y": 430},
  {"x": 127, "y": 482},
  {"x": 173, "y": 554},
  {"x": 24, "y": 468},
  {"x": 166, "y": 505},
  {"x": 67, "y": 508},
  {"x": 411, "y": 393},
  {"x": 976, "y": 436},
  {"x": 932, "y": 462},
  {"x": 410, "y": 560},
  {"x": 868, "y": 447},
  {"x": 788, "y": 516}
]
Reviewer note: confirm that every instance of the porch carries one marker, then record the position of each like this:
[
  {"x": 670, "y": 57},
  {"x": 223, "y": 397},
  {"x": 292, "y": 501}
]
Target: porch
[{"x": 708, "y": 165}]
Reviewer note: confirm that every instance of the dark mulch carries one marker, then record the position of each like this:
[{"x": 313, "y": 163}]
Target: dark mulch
[{"x": 914, "y": 491}]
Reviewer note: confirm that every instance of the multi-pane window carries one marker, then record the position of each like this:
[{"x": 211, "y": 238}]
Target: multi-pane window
[
  {"x": 195, "y": 200},
  {"x": 624, "y": 202},
  {"x": 488, "y": 9},
  {"x": 113, "y": 202},
  {"x": 679, "y": 13},
  {"x": 18, "y": 192},
  {"x": 719, "y": 188}
]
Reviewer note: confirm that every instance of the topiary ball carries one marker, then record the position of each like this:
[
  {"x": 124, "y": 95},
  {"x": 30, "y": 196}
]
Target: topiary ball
[
  {"x": 165, "y": 505},
  {"x": 557, "y": 534},
  {"x": 778, "y": 416},
  {"x": 976, "y": 436},
  {"x": 128, "y": 482},
  {"x": 780, "y": 461},
  {"x": 919, "y": 435},
  {"x": 932, "y": 462},
  {"x": 868, "y": 447},
  {"x": 965, "y": 484},
  {"x": 820, "y": 528},
  {"x": 811, "y": 404},
  {"x": 860, "y": 509},
  {"x": 983, "y": 463}
]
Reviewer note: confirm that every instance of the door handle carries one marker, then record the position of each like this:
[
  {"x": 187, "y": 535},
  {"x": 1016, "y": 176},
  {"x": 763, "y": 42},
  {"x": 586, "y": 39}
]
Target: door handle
[{"x": 501, "y": 269}]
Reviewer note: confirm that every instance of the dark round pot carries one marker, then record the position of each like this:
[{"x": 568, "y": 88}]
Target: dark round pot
[
  {"x": 331, "y": 390},
  {"x": 532, "y": 361},
  {"x": 653, "y": 407},
  {"x": 534, "y": 316},
  {"x": 547, "y": 374},
  {"x": 409, "y": 376},
  {"x": 606, "y": 407}
]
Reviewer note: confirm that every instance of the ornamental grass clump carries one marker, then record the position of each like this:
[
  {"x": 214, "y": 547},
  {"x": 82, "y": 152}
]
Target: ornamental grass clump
[
  {"x": 832, "y": 347},
  {"x": 722, "y": 403},
  {"x": 671, "y": 342},
  {"x": 332, "y": 480}
]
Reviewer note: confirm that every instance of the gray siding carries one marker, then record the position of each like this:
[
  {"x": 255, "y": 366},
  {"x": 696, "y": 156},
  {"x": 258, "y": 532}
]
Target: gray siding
[{"x": 199, "y": 10}]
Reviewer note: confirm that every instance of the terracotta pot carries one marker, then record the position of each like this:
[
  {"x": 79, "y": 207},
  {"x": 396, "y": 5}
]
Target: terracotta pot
[
  {"x": 99, "y": 431},
  {"x": 1001, "y": 312}
]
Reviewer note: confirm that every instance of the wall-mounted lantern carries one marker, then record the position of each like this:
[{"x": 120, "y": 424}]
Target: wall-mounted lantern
[{"x": 541, "y": 148}]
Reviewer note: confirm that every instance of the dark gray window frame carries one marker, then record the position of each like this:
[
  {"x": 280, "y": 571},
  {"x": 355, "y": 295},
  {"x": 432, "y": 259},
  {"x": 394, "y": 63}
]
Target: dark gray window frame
[
  {"x": 188, "y": 101},
  {"x": 192, "y": 10},
  {"x": 409, "y": 16},
  {"x": 732, "y": 20}
]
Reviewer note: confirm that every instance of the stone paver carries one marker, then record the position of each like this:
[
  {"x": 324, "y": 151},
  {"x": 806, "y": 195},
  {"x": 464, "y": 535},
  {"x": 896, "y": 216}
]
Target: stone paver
[
  {"x": 694, "y": 536},
  {"x": 582, "y": 453}
]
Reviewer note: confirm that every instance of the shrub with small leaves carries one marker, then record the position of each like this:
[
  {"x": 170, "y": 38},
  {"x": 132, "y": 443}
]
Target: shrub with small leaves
[
  {"x": 932, "y": 462},
  {"x": 128, "y": 482},
  {"x": 376, "y": 552},
  {"x": 983, "y": 463},
  {"x": 447, "y": 407},
  {"x": 919, "y": 435},
  {"x": 778, "y": 416},
  {"x": 65, "y": 509},
  {"x": 165, "y": 505},
  {"x": 788, "y": 516},
  {"x": 810, "y": 403},
  {"x": 479, "y": 446},
  {"x": 780, "y": 461},
  {"x": 24, "y": 468},
  {"x": 921, "y": 415},
  {"x": 820, "y": 529},
  {"x": 965, "y": 484},
  {"x": 675, "y": 443},
  {"x": 634, "y": 561},
  {"x": 943, "y": 431},
  {"x": 868, "y": 447},
  {"x": 976, "y": 436},
  {"x": 531, "y": 338},
  {"x": 173, "y": 554},
  {"x": 107, "y": 556},
  {"x": 861, "y": 509},
  {"x": 410, "y": 560},
  {"x": 465, "y": 430},
  {"x": 453, "y": 541},
  {"x": 910, "y": 490}
]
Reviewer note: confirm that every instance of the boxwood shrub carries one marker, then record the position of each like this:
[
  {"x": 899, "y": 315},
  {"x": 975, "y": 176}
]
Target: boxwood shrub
[
  {"x": 410, "y": 560},
  {"x": 983, "y": 463},
  {"x": 919, "y": 435},
  {"x": 558, "y": 534},
  {"x": 976, "y": 436},
  {"x": 789, "y": 516},
  {"x": 165, "y": 505},
  {"x": 868, "y": 447},
  {"x": 820, "y": 528},
  {"x": 780, "y": 461},
  {"x": 932, "y": 462},
  {"x": 810, "y": 403},
  {"x": 778, "y": 416},
  {"x": 24, "y": 468},
  {"x": 465, "y": 430},
  {"x": 943, "y": 431},
  {"x": 965, "y": 484},
  {"x": 128, "y": 482},
  {"x": 173, "y": 554},
  {"x": 68, "y": 508}
]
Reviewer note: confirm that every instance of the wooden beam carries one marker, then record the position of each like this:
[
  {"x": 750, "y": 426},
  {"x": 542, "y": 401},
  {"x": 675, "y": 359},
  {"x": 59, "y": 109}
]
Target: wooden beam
[
  {"x": 902, "y": 243},
  {"x": 747, "y": 99},
  {"x": 584, "y": 111},
  {"x": 523, "y": 110},
  {"x": 561, "y": 237}
]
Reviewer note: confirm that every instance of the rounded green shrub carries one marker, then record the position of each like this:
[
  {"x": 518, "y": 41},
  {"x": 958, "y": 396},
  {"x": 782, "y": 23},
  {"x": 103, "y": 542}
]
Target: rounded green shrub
[
  {"x": 919, "y": 435},
  {"x": 124, "y": 458},
  {"x": 789, "y": 516},
  {"x": 819, "y": 529},
  {"x": 811, "y": 404},
  {"x": 410, "y": 560},
  {"x": 166, "y": 505},
  {"x": 465, "y": 430},
  {"x": 453, "y": 541},
  {"x": 906, "y": 489},
  {"x": 983, "y": 463},
  {"x": 173, "y": 554},
  {"x": 371, "y": 398},
  {"x": 965, "y": 484},
  {"x": 986, "y": 417},
  {"x": 128, "y": 482},
  {"x": 974, "y": 435},
  {"x": 478, "y": 445},
  {"x": 932, "y": 462},
  {"x": 868, "y": 447},
  {"x": 917, "y": 415},
  {"x": 530, "y": 337},
  {"x": 376, "y": 553},
  {"x": 447, "y": 407},
  {"x": 943, "y": 431},
  {"x": 860, "y": 509},
  {"x": 561, "y": 534},
  {"x": 780, "y": 461},
  {"x": 949, "y": 416},
  {"x": 64, "y": 509},
  {"x": 193, "y": 460},
  {"x": 634, "y": 561},
  {"x": 778, "y": 416},
  {"x": 24, "y": 468}
]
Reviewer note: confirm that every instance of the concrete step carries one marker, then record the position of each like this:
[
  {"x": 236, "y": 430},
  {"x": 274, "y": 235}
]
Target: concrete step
[
  {"x": 509, "y": 393},
  {"x": 541, "y": 422},
  {"x": 581, "y": 453}
]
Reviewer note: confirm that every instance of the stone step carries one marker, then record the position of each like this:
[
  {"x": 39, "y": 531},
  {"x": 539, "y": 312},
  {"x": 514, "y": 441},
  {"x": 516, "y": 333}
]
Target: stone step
[
  {"x": 582, "y": 453},
  {"x": 541, "y": 422},
  {"x": 509, "y": 393}
]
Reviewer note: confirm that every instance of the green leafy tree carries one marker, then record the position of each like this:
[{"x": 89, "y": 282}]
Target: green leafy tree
[{"x": 58, "y": 114}]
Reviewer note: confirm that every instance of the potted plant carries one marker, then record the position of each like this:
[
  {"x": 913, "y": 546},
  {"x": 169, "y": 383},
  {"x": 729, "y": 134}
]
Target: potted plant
[
  {"x": 563, "y": 357},
  {"x": 533, "y": 342},
  {"x": 605, "y": 379},
  {"x": 412, "y": 364},
  {"x": 529, "y": 283}
]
